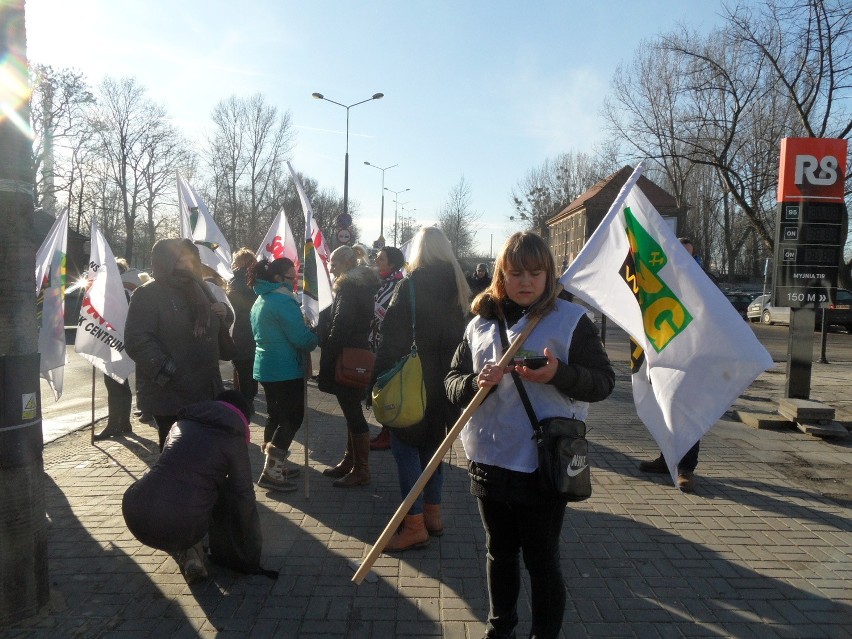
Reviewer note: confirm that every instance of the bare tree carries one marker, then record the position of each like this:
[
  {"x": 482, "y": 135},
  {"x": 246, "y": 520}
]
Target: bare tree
[
  {"x": 458, "y": 220},
  {"x": 57, "y": 105},
  {"x": 548, "y": 189},
  {"x": 408, "y": 228},
  {"x": 165, "y": 151},
  {"x": 779, "y": 69},
  {"x": 127, "y": 125},
  {"x": 246, "y": 152}
]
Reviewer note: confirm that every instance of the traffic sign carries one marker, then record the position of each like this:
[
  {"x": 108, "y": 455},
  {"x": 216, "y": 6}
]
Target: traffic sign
[
  {"x": 344, "y": 221},
  {"x": 343, "y": 236}
]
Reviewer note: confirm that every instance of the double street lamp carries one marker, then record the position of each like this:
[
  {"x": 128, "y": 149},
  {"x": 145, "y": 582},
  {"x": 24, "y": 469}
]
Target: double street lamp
[
  {"x": 395, "y": 209},
  {"x": 381, "y": 240},
  {"x": 320, "y": 96}
]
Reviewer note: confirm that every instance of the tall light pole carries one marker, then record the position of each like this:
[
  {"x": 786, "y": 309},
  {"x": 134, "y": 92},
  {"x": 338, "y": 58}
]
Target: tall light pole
[
  {"x": 320, "y": 96},
  {"x": 395, "y": 209},
  {"x": 382, "y": 218}
]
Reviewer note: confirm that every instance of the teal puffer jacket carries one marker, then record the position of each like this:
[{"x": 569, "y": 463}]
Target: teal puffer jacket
[{"x": 282, "y": 338}]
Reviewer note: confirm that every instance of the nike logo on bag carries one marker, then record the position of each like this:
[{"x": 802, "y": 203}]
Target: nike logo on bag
[{"x": 578, "y": 465}]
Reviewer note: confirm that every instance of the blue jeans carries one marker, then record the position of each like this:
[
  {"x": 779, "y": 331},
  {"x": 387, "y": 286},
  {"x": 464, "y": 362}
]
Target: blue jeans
[{"x": 410, "y": 462}]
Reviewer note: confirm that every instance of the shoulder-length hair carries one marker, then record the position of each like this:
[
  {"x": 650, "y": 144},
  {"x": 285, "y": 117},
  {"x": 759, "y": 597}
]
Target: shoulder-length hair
[
  {"x": 431, "y": 246},
  {"x": 523, "y": 251}
]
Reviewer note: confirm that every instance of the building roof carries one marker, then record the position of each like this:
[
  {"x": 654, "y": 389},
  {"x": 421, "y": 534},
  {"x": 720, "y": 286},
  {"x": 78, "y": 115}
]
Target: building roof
[{"x": 603, "y": 194}]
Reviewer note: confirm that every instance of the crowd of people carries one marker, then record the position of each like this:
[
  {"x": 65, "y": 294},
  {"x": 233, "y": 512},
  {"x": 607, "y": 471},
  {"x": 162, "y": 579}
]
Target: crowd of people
[{"x": 201, "y": 486}]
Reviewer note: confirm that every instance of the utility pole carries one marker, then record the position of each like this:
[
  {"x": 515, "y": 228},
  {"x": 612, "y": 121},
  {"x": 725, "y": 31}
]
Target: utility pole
[{"x": 24, "y": 585}]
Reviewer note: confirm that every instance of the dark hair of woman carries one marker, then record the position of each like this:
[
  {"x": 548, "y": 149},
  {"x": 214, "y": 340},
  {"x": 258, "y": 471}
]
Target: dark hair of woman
[
  {"x": 396, "y": 259},
  {"x": 266, "y": 270}
]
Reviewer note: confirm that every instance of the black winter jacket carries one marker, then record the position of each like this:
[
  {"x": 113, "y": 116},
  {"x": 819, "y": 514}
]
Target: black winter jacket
[
  {"x": 204, "y": 465},
  {"x": 242, "y": 298},
  {"x": 440, "y": 328},
  {"x": 175, "y": 366},
  {"x": 348, "y": 323}
]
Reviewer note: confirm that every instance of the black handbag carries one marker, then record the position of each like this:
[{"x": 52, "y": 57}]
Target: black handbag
[{"x": 563, "y": 452}]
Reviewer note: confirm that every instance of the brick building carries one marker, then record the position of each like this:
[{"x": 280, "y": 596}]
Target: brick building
[{"x": 573, "y": 225}]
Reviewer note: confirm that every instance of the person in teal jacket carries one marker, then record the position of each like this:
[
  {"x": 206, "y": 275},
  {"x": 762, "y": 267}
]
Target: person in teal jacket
[{"x": 283, "y": 343}]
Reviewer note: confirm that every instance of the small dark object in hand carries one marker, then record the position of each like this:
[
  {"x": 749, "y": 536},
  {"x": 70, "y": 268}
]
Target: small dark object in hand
[{"x": 531, "y": 362}]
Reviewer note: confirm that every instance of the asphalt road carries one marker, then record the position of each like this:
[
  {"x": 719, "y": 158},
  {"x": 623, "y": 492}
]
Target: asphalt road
[{"x": 74, "y": 408}]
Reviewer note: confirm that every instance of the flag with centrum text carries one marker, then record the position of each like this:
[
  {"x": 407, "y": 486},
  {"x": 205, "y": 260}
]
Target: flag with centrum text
[
  {"x": 692, "y": 353},
  {"x": 316, "y": 284},
  {"x": 50, "y": 288},
  {"x": 197, "y": 224},
  {"x": 103, "y": 313}
]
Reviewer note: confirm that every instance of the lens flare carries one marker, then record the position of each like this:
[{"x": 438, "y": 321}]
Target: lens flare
[{"x": 14, "y": 92}]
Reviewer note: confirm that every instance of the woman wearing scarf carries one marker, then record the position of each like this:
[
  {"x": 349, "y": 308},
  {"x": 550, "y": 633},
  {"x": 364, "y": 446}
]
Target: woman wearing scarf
[
  {"x": 172, "y": 335},
  {"x": 389, "y": 263}
]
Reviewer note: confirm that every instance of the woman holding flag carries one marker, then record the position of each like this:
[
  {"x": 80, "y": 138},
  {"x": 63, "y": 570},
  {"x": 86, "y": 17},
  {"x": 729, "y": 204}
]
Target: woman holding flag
[{"x": 517, "y": 515}]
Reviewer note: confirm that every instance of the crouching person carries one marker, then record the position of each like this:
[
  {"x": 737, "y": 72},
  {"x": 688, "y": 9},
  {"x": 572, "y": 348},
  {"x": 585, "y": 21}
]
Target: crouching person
[{"x": 201, "y": 485}]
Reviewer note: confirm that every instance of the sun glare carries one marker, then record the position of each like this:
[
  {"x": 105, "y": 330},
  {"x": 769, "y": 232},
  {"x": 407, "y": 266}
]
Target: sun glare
[{"x": 14, "y": 91}]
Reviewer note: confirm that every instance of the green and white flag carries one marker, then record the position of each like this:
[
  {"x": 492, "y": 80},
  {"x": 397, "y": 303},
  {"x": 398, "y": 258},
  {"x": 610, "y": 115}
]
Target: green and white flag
[
  {"x": 50, "y": 289},
  {"x": 693, "y": 353},
  {"x": 197, "y": 224}
]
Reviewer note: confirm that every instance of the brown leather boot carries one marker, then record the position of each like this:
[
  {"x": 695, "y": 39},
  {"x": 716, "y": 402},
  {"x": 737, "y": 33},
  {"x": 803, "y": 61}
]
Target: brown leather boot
[
  {"x": 412, "y": 534},
  {"x": 360, "y": 474},
  {"x": 345, "y": 466},
  {"x": 432, "y": 517}
]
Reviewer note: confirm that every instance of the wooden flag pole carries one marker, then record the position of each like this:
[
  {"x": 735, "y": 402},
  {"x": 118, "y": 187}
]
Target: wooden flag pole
[{"x": 427, "y": 473}]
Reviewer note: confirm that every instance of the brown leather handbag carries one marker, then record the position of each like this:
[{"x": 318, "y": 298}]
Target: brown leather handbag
[{"x": 354, "y": 367}]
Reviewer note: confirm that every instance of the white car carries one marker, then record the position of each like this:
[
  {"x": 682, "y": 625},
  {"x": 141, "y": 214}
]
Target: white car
[{"x": 762, "y": 309}]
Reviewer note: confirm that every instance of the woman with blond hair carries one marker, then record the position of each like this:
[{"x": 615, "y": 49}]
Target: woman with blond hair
[
  {"x": 498, "y": 440},
  {"x": 440, "y": 292},
  {"x": 348, "y": 325}
]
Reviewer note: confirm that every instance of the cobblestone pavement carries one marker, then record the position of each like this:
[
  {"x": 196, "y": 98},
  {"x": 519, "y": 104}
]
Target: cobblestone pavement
[{"x": 761, "y": 549}]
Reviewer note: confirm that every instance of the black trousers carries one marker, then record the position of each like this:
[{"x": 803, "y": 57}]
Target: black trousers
[
  {"x": 164, "y": 425},
  {"x": 285, "y": 402},
  {"x": 532, "y": 529},
  {"x": 350, "y": 403},
  {"x": 244, "y": 368},
  {"x": 120, "y": 402}
]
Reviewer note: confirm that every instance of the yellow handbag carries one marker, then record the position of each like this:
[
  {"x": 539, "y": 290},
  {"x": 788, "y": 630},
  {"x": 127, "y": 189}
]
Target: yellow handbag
[{"x": 399, "y": 394}]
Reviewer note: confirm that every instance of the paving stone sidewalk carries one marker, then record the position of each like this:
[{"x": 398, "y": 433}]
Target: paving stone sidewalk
[{"x": 758, "y": 551}]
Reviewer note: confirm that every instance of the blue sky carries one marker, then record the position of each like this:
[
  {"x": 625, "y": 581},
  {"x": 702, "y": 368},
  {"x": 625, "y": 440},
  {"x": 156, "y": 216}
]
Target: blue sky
[{"x": 484, "y": 90}]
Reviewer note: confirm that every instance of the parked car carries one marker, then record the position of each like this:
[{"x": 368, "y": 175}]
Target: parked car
[
  {"x": 839, "y": 313},
  {"x": 740, "y": 300}
]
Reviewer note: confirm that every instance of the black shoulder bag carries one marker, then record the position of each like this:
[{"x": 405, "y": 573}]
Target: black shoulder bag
[{"x": 563, "y": 452}]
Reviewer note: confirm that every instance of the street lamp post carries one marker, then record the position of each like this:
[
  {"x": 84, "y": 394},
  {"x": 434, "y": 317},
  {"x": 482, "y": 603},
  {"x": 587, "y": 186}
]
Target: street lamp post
[
  {"x": 320, "y": 96},
  {"x": 395, "y": 209},
  {"x": 382, "y": 218}
]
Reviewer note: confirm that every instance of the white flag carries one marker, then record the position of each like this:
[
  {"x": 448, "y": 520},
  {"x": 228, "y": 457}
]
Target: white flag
[
  {"x": 695, "y": 353},
  {"x": 103, "y": 314},
  {"x": 50, "y": 288},
  {"x": 279, "y": 242},
  {"x": 316, "y": 284},
  {"x": 197, "y": 224}
]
